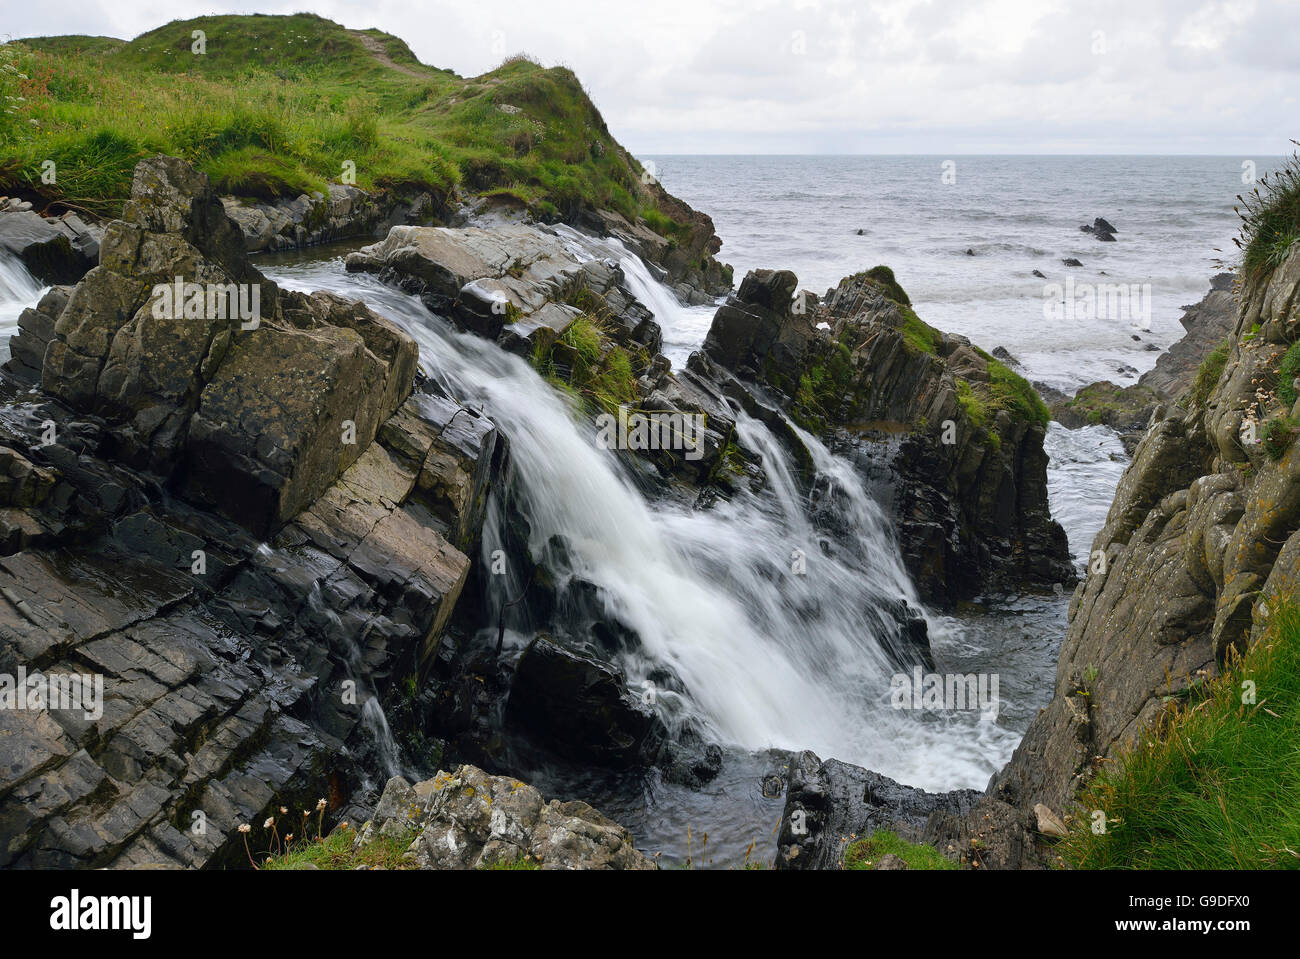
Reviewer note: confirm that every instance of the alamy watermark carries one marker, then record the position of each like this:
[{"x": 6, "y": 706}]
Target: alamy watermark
[
  {"x": 53, "y": 691},
  {"x": 652, "y": 430},
  {"x": 1098, "y": 301},
  {"x": 209, "y": 301},
  {"x": 950, "y": 691}
]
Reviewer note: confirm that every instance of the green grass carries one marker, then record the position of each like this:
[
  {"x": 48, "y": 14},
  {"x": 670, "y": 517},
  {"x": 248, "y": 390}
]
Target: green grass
[
  {"x": 1270, "y": 219},
  {"x": 865, "y": 853},
  {"x": 1208, "y": 373},
  {"x": 883, "y": 277},
  {"x": 918, "y": 334},
  {"x": 600, "y": 376},
  {"x": 518, "y": 865},
  {"x": 977, "y": 410},
  {"x": 1012, "y": 392},
  {"x": 278, "y": 104},
  {"x": 1279, "y": 434},
  {"x": 1217, "y": 786},
  {"x": 1287, "y": 372},
  {"x": 1005, "y": 390},
  {"x": 335, "y": 852}
]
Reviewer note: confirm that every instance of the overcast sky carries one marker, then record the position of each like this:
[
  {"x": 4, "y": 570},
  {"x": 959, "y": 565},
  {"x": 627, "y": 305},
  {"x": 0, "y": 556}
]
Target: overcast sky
[{"x": 850, "y": 76}]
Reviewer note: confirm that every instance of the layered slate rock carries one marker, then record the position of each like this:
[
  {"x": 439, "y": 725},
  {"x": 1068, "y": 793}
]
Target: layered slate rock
[
  {"x": 467, "y": 819},
  {"x": 235, "y": 672},
  {"x": 581, "y": 707},
  {"x": 859, "y": 368}
]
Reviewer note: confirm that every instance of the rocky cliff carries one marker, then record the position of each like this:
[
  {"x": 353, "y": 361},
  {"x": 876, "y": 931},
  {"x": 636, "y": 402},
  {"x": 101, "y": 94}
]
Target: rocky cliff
[
  {"x": 249, "y": 533},
  {"x": 1201, "y": 546}
]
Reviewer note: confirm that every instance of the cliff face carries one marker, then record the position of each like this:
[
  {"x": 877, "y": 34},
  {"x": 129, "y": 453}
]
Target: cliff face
[
  {"x": 1200, "y": 547},
  {"x": 247, "y": 533},
  {"x": 963, "y": 436}
]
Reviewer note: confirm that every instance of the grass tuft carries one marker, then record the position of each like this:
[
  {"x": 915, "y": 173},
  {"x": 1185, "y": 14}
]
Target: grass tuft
[
  {"x": 1270, "y": 219},
  {"x": 865, "y": 853},
  {"x": 1217, "y": 786},
  {"x": 1208, "y": 373}
]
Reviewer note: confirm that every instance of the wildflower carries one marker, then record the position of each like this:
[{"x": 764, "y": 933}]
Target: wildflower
[
  {"x": 245, "y": 827},
  {"x": 284, "y": 811},
  {"x": 270, "y": 821},
  {"x": 320, "y": 804}
]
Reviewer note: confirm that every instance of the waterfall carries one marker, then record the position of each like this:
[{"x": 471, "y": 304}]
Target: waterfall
[
  {"x": 684, "y": 327},
  {"x": 764, "y": 655},
  {"x": 18, "y": 290}
]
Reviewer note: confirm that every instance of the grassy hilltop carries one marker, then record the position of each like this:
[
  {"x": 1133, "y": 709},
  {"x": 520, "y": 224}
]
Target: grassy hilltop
[{"x": 278, "y": 104}]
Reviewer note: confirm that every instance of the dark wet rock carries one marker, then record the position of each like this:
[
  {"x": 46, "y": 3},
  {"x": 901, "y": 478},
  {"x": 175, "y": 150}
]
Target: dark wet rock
[
  {"x": 1039, "y": 274},
  {"x": 828, "y": 804},
  {"x": 467, "y": 819},
  {"x": 54, "y": 249},
  {"x": 1003, "y": 354},
  {"x": 581, "y": 707},
  {"x": 1071, "y": 261},
  {"x": 1101, "y": 229}
]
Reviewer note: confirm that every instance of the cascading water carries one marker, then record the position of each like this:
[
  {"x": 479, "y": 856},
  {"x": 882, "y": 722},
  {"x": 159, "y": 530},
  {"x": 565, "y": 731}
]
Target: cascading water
[
  {"x": 765, "y": 656},
  {"x": 683, "y": 327},
  {"x": 18, "y": 290}
]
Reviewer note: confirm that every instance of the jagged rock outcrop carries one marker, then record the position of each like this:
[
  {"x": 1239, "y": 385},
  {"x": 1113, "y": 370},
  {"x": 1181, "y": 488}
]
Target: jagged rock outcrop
[
  {"x": 235, "y": 673},
  {"x": 963, "y": 434},
  {"x": 1200, "y": 546},
  {"x": 466, "y": 819}
]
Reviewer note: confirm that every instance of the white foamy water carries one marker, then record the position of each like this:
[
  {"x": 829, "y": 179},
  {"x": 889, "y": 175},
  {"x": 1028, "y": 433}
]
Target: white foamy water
[
  {"x": 765, "y": 657},
  {"x": 18, "y": 290}
]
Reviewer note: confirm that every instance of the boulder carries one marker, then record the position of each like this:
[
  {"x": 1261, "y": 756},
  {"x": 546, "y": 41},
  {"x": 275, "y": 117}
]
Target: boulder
[
  {"x": 581, "y": 707},
  {"x": 467, "y": 819}
]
